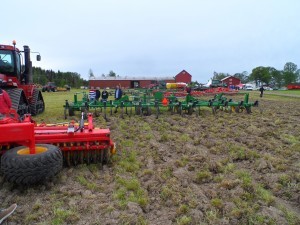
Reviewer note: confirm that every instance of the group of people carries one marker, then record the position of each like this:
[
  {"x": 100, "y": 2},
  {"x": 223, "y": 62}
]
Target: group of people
[{"x": 95, "y": 94}]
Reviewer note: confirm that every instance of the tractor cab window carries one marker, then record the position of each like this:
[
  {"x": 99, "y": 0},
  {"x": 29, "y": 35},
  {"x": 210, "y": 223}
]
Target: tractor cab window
[
  {"x": 18, "y": 64},
  {"x": 6, "y": 62}
]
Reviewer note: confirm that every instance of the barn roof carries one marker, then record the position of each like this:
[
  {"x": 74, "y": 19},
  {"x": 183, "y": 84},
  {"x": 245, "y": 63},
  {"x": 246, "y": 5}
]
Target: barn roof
[
  {"x": 225, "y": 78},
  {"x": 184, "y": 72}
]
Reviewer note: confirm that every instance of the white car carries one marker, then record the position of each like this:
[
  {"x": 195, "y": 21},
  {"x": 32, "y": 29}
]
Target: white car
[
  {"x": 248, "y": 87},
  {"x": 268, "y": 88}
]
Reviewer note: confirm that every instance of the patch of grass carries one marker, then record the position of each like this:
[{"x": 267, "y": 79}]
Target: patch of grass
[
  {"x": 84, "y": 182},
  {"x": 246, "y": 179},
  {"x": 184, "y": 220},
  {"x": 211, "y": 216},
  {"x": 127, "y": 143},
  {"x": 183, "y": 209},
  {"x": 62, "y": 216},
  {"x": 167, "y": 173},
  {"x": 217, "y": 203},
  {"x": 284, "y": 180},
  {"x": 182, "y": 162},
  {"x": 128, "y": 162},
  {"x": 166, "y": 193},
  {"x": 240, "y": 153},
  {"x": 130, "y": 190},
  {"x": 265, "y": 195},
  {"x": 32, "y": 217},
  {"x": 165, "y": 137},
  {"x": 229, "y": 168},
  {"x": 261, "y": 219},
  {"x": 203, "y": 177},
  {"x": 184, "y": 138},
  {"x": 291, "y": 217}
]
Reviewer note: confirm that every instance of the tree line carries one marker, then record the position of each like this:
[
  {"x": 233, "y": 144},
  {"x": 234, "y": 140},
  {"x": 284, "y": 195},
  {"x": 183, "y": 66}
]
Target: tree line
[
  {"x": 42, "y": 76},
  {"x": 267, "y": 75}
]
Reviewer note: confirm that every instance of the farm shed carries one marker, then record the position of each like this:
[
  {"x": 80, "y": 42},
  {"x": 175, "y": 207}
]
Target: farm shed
[{"x": 231, "y": 81}]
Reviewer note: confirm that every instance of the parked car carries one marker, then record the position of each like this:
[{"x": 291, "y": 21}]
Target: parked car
[
  {"x": 248, "y": 87},
  {"x": 268, "y": 88}
]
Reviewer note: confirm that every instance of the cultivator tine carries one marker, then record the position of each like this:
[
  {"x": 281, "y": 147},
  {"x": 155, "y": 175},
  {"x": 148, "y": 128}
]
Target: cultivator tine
[
  {"x": 68, "y": 161},
  {"x": 111, "y": 107},
  {"x": 81, "y": 157},
  {"x": 94, "y": 156},
  {"x": 88, "y": 157},
  {"x": 101, "y": 157},
  {"x": 122, "y": 110},
  {"x": 75, "y": 158},
  {"x": 130, "y": 111}
]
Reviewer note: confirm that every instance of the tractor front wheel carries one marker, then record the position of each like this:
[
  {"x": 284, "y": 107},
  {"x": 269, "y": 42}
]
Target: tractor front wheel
[{"x": 22, "y": 168}]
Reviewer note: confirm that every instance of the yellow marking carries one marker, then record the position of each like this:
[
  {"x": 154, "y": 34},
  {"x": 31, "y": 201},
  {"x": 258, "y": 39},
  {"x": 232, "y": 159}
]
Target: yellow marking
[{"x": 26, "y": 150}]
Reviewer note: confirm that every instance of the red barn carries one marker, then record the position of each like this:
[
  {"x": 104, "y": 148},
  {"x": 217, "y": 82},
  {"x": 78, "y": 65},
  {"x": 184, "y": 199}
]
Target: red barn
[
  {"x": 184, "y": 77},
  {"x": 231, "y": 81}
]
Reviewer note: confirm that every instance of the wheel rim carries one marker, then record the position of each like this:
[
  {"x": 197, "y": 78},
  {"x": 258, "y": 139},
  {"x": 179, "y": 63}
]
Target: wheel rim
[{"x": 26, "y": 151}]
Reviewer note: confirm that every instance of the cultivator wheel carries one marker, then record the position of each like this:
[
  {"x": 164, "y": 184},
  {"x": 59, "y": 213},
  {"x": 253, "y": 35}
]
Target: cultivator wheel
[{"x": 23, "y": 168}]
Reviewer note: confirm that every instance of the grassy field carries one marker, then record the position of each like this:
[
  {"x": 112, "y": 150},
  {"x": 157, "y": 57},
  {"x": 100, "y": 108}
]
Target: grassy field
[{"x": 208, "y": 169}]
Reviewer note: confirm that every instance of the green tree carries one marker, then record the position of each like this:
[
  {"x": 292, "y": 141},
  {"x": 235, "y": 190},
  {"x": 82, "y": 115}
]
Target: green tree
[
  {"x": 242, "y": 76},
  {"x": 112, "y": 74},
  {"x": 220, "y": 76},
  {"x": 261, "y": 74},
  {"x": 277, "y": 77},
  {"x": 290, "y": 73}
]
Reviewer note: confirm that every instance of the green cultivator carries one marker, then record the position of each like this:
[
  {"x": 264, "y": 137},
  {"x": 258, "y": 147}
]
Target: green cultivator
[{"x": 145, "y": 104}]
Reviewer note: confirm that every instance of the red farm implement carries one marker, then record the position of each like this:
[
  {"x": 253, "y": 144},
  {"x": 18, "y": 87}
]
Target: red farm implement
[{"x": 32, "y": 153}]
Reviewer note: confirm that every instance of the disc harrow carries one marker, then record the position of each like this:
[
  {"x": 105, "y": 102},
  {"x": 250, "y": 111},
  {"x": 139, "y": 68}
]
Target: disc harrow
[{"x": 31, "y": 152}]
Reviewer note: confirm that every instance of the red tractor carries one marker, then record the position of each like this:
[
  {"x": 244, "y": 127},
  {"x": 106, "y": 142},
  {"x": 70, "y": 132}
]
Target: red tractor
[
  {"x": 32, "y": 153},
  {"x": 17, "y": 80}
]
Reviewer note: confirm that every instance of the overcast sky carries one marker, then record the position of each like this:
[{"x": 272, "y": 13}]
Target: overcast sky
[{"x": 155, "y": 37}]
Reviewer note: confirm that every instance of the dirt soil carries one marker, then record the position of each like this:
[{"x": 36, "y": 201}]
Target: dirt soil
[{"x": 226, "y": 168}]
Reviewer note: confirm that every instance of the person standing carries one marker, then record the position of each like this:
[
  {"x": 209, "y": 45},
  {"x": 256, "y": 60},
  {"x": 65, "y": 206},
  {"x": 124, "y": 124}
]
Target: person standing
[
  {"x": 98, "y": 93},
  {"x": 261, "y": 91},
  {"x": 104, "y": 95},
  {"x": 5, "y": 102},
  {"x": 92, "y": 94},
  {"x": 118, "y": 95}
]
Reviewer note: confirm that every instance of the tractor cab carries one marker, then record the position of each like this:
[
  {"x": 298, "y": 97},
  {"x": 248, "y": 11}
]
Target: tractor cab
[
  {"x": 10, "y": 65},
  {"x": 12, "y": 73},
  {"x": 17, "y": 79}
]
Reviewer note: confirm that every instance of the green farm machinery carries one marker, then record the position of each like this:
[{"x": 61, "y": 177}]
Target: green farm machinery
[{"x": 145, "y": 104}]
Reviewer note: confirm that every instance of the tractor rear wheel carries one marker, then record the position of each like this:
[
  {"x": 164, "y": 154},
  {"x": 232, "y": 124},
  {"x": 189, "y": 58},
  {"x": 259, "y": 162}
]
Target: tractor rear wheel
[{"x": 22, "y": 168}]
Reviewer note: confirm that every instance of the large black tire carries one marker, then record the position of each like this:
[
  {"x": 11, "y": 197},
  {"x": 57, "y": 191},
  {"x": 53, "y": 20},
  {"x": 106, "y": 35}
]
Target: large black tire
[{"x": 24, "y": 169}]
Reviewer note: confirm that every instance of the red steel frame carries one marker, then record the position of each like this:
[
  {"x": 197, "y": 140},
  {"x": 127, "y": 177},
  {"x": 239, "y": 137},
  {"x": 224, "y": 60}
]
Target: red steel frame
[{"x": 28, "y": 134}]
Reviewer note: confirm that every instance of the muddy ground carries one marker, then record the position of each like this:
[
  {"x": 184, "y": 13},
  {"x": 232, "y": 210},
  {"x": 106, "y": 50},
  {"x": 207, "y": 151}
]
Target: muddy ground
[{"x": 223, "y": 169}]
